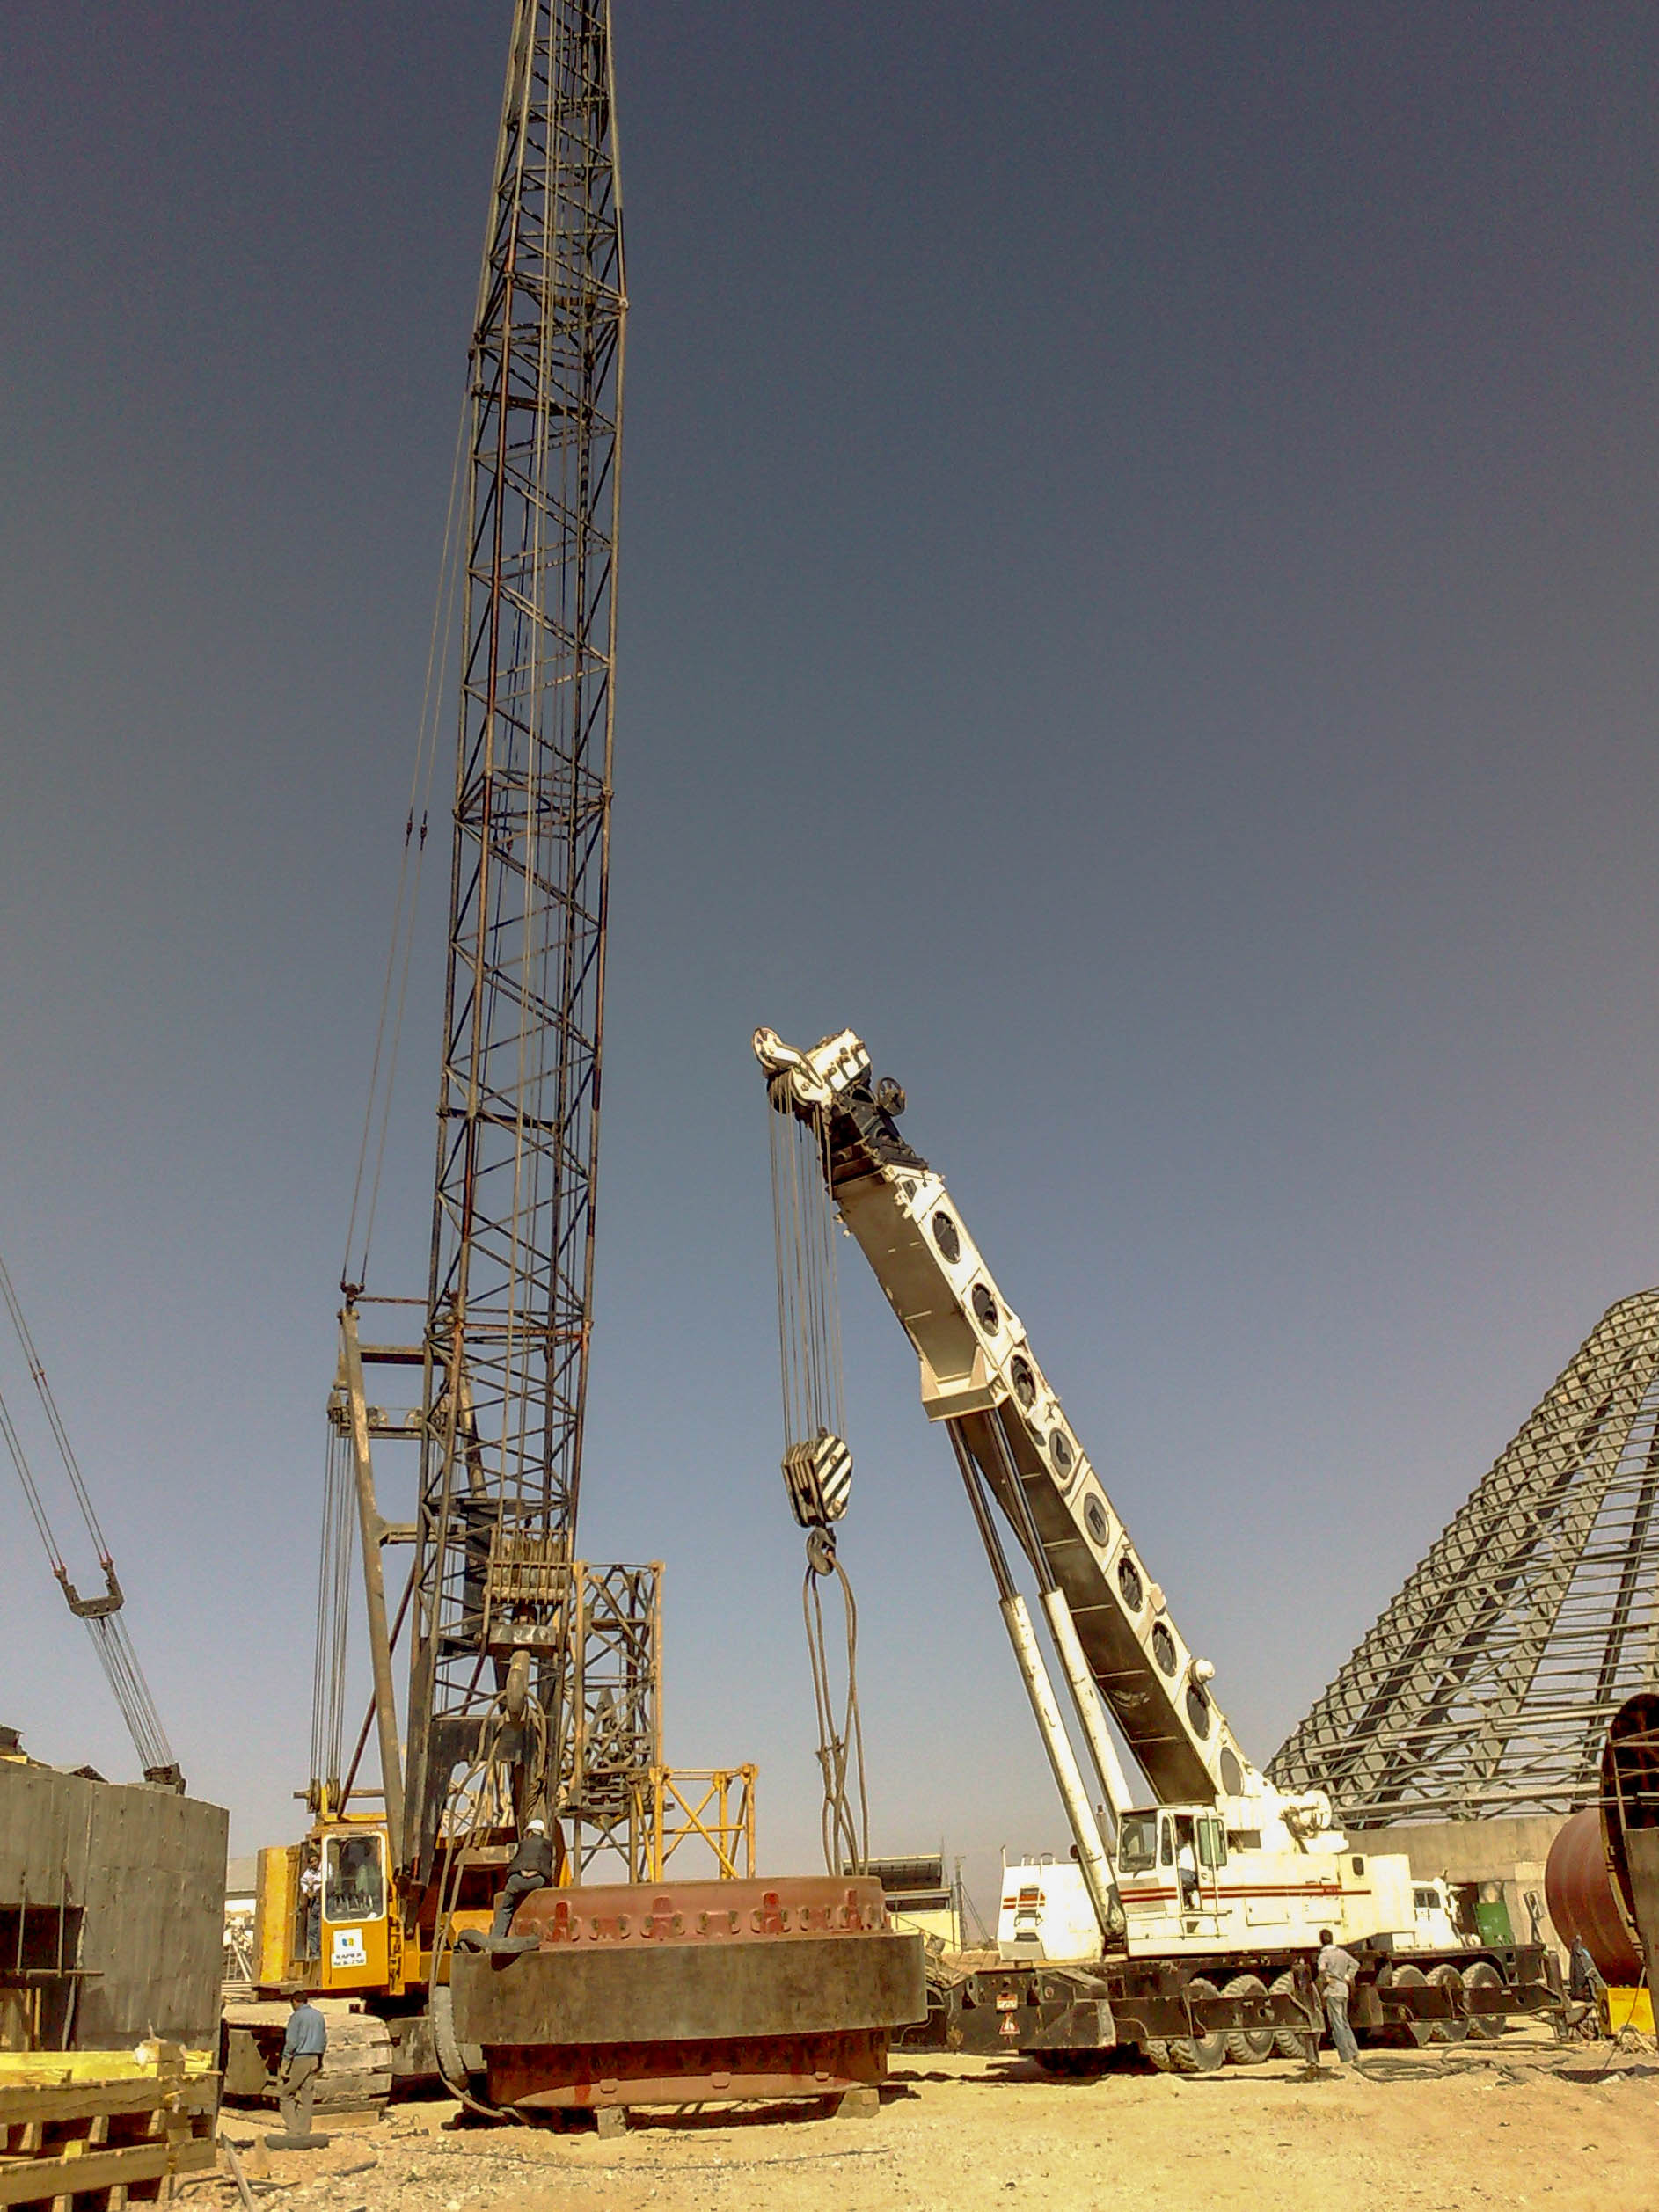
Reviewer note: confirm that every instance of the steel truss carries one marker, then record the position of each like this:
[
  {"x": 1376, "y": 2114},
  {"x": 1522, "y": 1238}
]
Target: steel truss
[
  {"x": 510, "y": 1293},
  {"x": 1487, "y": 1687},
  {"x": 616, "y": 1708},
  {"x": 601, "y": 1626}
]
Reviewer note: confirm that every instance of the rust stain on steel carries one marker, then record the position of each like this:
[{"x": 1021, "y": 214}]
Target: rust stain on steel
[
  {"x": 1584, "y": 1902},
  {"x": 676, "y": 1992}
]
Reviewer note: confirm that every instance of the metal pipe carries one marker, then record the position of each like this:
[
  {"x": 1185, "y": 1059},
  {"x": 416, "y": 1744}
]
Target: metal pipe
[
  {"x": 1086, "y": 1700},
  {"x": 1079, "y": 1676},
  {"x": 1068, "y": 1775},
  {"x": 369, "y": 1529},
  {"x": 1091, "y": 1853}
]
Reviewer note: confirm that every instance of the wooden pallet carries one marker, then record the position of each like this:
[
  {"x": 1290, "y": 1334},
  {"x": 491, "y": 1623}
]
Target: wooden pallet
[{"x": 100, "y": 2129}]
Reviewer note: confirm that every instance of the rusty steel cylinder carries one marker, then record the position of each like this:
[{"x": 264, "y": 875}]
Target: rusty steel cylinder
[{"x": 1583, "y": 1900}]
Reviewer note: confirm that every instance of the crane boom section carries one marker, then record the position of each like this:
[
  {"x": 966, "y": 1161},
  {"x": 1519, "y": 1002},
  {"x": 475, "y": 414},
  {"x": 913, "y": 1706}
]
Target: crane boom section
[
  {"x": 510, "y": 1302},
  {"x": 979, "y": 1373}
]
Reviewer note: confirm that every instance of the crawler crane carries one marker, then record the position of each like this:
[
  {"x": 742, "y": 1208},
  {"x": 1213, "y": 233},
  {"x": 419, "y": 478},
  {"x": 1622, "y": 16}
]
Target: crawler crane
[
  {"x": 1204, "y": 1900},
  {"x": 532, "y": 1679}
]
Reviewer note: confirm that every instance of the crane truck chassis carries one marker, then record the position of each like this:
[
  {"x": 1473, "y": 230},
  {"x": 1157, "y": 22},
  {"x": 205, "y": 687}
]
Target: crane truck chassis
[{"x": 1208, "y": 1901}]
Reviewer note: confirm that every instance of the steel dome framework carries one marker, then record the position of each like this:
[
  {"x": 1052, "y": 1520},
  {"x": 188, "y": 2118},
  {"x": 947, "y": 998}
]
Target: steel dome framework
[{"x": 1486, "y": 1687}]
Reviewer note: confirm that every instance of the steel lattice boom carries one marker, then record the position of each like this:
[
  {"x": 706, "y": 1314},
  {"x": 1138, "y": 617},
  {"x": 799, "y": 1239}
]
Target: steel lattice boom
[
  {"x": 510, "y": 1294},
  {"x": 1487, "y": 1687}
]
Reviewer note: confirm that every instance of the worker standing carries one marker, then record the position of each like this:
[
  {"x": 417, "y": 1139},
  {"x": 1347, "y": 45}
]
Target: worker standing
[
  {"x": 302, "y": 2048},
  {"x": 1335, "y": 1970},
  {"x": 311, "y": 1903},
  {"x": 1585, "y": 1987},
  {"x": 531, "y": 1868}
]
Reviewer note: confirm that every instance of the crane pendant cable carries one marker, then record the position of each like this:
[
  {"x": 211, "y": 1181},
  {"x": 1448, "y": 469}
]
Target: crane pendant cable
[{"x": 817, "y": 1465}]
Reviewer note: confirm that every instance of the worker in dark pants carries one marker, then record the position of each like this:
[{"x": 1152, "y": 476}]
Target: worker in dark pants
[
  {"x": 302, "y": 2048},
  {"x": 532, "y": 1868}
]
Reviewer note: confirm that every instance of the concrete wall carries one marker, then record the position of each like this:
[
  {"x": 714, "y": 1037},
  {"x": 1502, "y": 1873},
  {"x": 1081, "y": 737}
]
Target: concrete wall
[
  {"x": 1510, "y": 1852},
  {"x": 146, "y": 1869}
]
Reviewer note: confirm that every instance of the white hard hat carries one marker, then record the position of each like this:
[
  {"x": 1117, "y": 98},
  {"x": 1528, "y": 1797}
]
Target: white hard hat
[{"x": 538, "y": 1828}]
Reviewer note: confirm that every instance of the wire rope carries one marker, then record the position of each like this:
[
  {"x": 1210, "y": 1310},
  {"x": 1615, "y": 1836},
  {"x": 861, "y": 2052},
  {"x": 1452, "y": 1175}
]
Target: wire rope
[
  {"x": 845, "y": 1820},
  {"x": 402, "y": 933},
  {"x": 816, "y": 1465},
  {"x": 112, "y": 1641}
]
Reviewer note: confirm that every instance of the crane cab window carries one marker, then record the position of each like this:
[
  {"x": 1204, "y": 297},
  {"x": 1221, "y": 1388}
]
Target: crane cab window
[
  {"x": 1166, "y": 1844},
  {"x": 1212, "y": 1843},
  {"x": 1138, "y": 1843},
  {"x": 355, "y": 1885}
]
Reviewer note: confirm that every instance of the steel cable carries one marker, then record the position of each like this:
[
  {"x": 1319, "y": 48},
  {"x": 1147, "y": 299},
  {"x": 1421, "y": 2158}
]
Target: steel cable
[
  {"x": 845, "y": 1821},
  {"x": 809, "y": 1358},
  {"x": 443, "y": 623},
  {"x": 111, "y": 1639}
]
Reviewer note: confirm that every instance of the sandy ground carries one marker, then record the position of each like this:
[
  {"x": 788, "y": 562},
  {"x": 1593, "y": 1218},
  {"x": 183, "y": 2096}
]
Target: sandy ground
[{"x": 1521, "y": 2123}]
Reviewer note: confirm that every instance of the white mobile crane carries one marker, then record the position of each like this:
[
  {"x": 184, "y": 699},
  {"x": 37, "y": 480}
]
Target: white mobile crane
[{"x": 1207, "y": 1898}]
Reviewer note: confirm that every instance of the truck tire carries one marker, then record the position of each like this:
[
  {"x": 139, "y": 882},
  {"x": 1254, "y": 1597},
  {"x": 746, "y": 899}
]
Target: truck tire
[
  {"x": 1484, "y": 2027},
  {"x": 1409, "y": 2032},
  {"x": 1249, "y": 2045},
  {"x": 1446, "y": 1976},
  {"x": 1286, "y": 2041},
  {"x": 1190, "y": 2054}
]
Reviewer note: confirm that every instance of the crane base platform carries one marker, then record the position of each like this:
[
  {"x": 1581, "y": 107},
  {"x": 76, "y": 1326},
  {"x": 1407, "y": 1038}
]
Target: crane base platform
[{"x": 678, "y": 1993}]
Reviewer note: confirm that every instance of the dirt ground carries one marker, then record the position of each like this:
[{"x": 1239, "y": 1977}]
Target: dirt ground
[{"x": 1520, "y": 2122}]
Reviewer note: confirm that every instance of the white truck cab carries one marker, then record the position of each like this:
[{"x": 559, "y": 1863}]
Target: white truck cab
[
  {"x": 1191, "y": 1881},
  {"x": 1046, "y": 1913}
]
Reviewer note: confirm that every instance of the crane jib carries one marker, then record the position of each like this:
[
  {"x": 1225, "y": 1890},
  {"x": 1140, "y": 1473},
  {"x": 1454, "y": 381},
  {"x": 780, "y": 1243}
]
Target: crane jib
[{"x": 979, "y": 1374}]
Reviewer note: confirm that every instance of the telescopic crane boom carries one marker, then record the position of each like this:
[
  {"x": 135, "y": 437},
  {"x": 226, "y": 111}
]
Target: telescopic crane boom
[
  {"x": 1013, "y": 1441},
  {"x": 1206, "y": 1908}
]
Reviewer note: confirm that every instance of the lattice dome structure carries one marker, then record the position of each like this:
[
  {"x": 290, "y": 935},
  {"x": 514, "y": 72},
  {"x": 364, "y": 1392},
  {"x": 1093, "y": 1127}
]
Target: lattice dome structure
[{"x": 1486, "y": 1687}]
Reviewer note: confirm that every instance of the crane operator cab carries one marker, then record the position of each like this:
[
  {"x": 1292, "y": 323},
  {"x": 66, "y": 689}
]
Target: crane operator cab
[
  {"x": 1170, "y": 1863},
  {"x": 353, "y": 1933},
  {"x": 324, "y": 1917}
]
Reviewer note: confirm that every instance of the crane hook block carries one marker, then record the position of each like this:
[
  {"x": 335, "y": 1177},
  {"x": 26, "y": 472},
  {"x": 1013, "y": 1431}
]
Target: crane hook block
[{"x": 818, "y": 1476}]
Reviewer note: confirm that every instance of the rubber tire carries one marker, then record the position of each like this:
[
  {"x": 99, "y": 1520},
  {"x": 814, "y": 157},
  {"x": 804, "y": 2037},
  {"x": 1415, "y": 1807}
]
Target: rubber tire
[
  {"x": 452, "y": 2067},
  {"x": 1447, "y": 1976},
  {"x": 1484, "y": 2027},
  {"x": 1417, "y": 2032},
  {"x": 1191, "y": 2053},
  {"x": 1286, "y": 2041},
  {"x": 1249, "y": 2045}
]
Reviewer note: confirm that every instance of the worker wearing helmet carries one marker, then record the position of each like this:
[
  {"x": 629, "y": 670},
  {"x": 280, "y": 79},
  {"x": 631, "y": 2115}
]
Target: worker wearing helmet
[{"x": 531, "y": 1868}]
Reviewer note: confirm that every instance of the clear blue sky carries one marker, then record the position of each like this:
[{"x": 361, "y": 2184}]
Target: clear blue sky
[{"x": 1140, "y": 544}]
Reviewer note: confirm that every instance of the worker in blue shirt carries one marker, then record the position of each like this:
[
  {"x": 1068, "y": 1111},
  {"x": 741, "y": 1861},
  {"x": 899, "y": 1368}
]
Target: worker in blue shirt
[{"x": 302, "y": 2048}]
